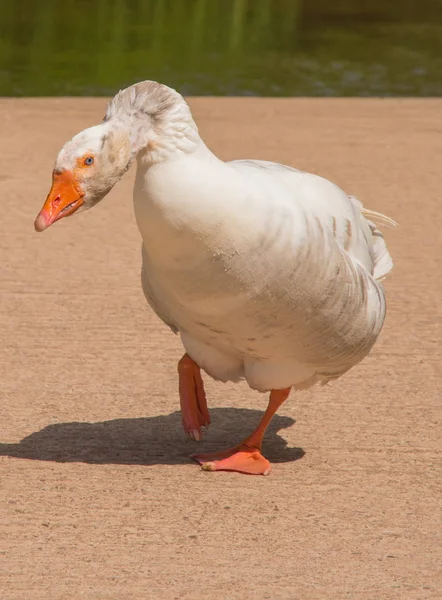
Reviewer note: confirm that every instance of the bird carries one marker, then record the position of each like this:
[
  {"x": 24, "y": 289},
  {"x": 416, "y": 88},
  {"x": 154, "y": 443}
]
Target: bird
[{"x": 268, "y": 274}]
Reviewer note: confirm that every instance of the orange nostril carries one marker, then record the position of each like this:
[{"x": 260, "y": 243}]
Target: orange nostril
[{"x": 56, "y": 201}]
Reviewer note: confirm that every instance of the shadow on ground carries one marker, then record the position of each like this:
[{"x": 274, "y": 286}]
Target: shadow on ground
[{"x": 149, "y": 440}]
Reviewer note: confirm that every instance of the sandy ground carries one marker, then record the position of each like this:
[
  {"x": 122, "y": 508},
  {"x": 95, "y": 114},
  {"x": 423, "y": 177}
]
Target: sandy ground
[{"x": 99, "y": 499}]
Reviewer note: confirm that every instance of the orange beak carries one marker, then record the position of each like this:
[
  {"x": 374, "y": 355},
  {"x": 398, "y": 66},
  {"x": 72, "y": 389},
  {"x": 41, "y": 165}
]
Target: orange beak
[{"x": 63, "y": 200}]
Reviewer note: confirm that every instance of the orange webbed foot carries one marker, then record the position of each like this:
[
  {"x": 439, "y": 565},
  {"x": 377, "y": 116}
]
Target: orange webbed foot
[
  {"x": 246, "y": 457},
  {"x": 241, "y": 459}
]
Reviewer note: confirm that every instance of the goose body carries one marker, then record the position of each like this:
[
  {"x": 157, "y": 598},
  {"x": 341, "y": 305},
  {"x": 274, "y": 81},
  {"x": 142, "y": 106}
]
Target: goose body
[{"x": 267, "y": 273}]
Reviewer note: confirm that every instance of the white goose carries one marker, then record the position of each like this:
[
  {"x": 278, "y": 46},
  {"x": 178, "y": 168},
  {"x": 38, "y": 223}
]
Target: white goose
[{"x": 267, "y": 273}]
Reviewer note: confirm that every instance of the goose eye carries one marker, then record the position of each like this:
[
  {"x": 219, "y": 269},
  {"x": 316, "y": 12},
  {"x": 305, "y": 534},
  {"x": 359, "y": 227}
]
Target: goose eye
[{"x": 88, "y": 161}]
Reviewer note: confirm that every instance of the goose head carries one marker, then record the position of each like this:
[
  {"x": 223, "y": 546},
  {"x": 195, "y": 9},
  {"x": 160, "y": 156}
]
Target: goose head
[
  {"x": 147, "y": 120},
  {"x": 86, "y": 169}
]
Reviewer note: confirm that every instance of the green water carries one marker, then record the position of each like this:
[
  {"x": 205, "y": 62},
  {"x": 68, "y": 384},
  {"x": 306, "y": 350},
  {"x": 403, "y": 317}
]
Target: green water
[{"x": 222, "y": 47}]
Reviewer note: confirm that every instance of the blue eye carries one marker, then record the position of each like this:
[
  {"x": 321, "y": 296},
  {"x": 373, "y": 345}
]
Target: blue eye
[{"x": 88, "y": 161}]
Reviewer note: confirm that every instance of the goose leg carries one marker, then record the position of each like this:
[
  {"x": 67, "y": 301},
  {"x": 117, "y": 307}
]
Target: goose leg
[
  {"x": 246, "y": 457},
  {"x": 194, "y": 410}
]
